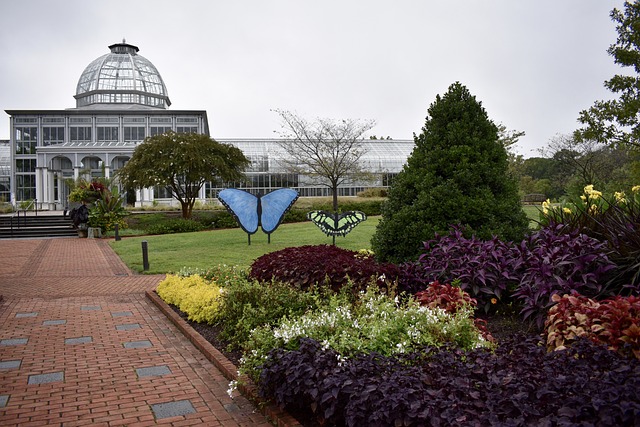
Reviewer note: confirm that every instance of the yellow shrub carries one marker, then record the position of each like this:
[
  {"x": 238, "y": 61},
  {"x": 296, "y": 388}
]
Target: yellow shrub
[{"x": 193, "y": 295}]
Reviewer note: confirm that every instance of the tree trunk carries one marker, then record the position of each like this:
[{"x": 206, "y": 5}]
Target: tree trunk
[
  {"x": 334, "y": 189},
  {"x": 186, "y": 210}
]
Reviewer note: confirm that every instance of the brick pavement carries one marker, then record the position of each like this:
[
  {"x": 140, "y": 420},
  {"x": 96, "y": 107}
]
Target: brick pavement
[{"x": 80, "y": 344}]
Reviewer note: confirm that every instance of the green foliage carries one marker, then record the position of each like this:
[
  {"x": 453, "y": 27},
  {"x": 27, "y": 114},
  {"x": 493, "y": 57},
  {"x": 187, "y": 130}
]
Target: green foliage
[
  {"x": 182, "y": 162},
  {"x": 108, "y": 211},
  {"x": 247, "y": 304},
  {"x": 375, "y": 323},
  {"x": 87, "y": 191},
  {"x": 617, "y": 121},
  {"x": 193, "y": 295},
  {"x": 295, "y": 215},
  {"x": 6, "y": 207},
  {"x": 456, "y": 174},
  {"x": 176, "y": 225},
  {"x": 373, "y": 192},
  {"x": 223, "y": 274},
  {"x": 215, "y": 219}
]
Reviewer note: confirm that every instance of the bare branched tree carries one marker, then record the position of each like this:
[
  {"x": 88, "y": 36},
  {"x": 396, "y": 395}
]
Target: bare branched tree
[
  {"x": 590, "y": 161},
  {"x": 328, "y": 151}
]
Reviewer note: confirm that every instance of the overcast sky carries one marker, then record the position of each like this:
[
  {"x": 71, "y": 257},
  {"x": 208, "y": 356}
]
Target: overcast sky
[{"x": 533, "y": 64}]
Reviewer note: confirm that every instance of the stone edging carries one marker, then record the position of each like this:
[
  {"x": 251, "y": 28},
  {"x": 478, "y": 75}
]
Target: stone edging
[{"x": 228, "y": 369}]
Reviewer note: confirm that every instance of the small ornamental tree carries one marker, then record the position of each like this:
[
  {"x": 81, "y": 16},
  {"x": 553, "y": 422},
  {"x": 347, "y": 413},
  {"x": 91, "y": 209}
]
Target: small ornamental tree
[
  {"x": 456, "y": 174},
  {"x": 182, "y": 162}
]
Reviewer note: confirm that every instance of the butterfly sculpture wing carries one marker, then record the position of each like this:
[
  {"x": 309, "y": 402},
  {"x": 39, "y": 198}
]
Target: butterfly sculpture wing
[
  {"x": 273, "y": 206},
  {"x": 333, "y": 224},
  {"x": 251, "y": 211},
  {"x": 243, "y": 206}
]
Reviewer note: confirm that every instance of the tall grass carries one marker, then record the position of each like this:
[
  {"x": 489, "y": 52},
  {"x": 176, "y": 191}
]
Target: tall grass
[{"x": 170, "y": 252}]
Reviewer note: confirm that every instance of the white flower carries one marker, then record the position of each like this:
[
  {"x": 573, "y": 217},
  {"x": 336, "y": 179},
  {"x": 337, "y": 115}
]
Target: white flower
[{"x": 233, "y": 385}]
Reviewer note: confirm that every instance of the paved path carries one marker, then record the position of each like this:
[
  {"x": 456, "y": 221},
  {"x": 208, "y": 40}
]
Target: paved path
[{"x": 80, "y": 344}]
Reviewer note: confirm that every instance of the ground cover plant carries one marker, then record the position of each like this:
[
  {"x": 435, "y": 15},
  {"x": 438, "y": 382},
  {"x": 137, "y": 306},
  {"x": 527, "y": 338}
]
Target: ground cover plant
[{"x": 519, "y": 383}]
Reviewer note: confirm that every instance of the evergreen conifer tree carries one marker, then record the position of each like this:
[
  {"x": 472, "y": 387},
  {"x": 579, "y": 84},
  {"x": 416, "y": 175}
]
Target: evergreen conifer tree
[{"x": 457, "y": 174}]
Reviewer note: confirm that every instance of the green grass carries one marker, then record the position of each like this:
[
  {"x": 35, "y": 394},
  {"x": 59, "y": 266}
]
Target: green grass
[
  {"x": 170, "y": 252},
  {"x": 533, "y": 213}
]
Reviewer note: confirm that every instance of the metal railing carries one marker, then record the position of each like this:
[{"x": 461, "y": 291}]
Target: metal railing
[{"x": 32, "y": 204}]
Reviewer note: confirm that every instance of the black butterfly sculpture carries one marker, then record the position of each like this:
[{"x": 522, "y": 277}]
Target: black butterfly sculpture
[
  {"x": 252, "y": 211},
  {"x": 335, "y": 224}
]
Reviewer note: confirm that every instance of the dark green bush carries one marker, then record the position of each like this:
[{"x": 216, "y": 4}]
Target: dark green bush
[
  {"x": 456, "y": 174},
  {"x": 369, "y": 207},
  {"x": 177, "y": 225},
  {"x": 295, "y": 215},
  {"x": 223, "y": 219},
  {"x": 373, "y": 192}
]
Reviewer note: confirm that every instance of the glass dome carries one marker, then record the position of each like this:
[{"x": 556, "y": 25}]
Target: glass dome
[{"x": 121, "y": 77}]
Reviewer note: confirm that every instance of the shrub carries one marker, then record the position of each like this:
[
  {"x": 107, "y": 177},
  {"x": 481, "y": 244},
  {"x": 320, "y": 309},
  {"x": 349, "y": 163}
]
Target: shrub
[
  {"x": 373, "y": 192},
  {"x": 614, "y": 322},
  {"x": 193, "y": 295},
  {"x": 568, "y": 320},
  {"x": 484, "y": 269},
  {"x": 246, "y": 305},
  {"x": 309, "y": 266},
  {"x": 457, "y": 173},
  {"x": 517, "y": 384},
  {"x": 295, "y": 215},
  {"x": 222, "y": 274},
  {"x": 176, "y": 225},
  {"x": 369, "y": 207},
  {"x": 108, "y": 211},
  {"x": 223, "y": 219},
  {"x": 375, "y": 323},
  {"x": 558, "y": 261}
]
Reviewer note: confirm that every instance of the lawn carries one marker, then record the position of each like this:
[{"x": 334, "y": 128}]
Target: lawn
[{"x": 170, "y": 252}]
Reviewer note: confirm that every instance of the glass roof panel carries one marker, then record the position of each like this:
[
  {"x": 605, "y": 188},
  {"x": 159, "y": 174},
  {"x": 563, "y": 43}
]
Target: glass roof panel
[{"x": 121, "y": 71}]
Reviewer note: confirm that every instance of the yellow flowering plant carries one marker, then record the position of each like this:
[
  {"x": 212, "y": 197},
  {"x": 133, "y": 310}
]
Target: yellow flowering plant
[
  {"x": 577, "y": 212},
  {"x": 193, "y": 295},
  {"x": 613, "y": 219}
]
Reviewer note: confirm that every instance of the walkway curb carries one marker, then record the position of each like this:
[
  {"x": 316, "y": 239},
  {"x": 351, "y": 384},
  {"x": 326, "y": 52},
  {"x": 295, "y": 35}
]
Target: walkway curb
[{"x": 228, "y": 369}]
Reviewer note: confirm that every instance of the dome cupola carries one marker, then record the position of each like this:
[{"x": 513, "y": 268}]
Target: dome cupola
[{"x": 121, "y": 77}]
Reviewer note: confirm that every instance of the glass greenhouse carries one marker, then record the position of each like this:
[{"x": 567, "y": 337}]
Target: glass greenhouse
[{"x": 120, "y": 100}]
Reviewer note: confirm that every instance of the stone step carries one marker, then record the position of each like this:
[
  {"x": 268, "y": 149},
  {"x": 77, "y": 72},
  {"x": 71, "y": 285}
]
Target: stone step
[{"x": 33, "y": 226}]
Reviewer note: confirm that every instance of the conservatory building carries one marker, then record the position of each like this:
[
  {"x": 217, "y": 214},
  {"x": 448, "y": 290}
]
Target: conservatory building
[{"x": 120, "y": 100}]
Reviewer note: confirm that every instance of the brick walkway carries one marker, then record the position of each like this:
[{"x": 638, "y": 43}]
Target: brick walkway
[{"x": 80, "y": 344}]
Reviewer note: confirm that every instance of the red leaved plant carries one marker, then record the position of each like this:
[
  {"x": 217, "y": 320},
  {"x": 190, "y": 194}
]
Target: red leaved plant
[
  {"x": 614, "y": 322},
  {"x": 451, "y": 299}
]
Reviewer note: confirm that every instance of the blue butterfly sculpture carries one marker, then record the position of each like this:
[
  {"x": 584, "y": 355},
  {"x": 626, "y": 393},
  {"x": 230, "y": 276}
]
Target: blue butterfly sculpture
[
  {"x": 252, "y": 211},
  {"x": 335, "y": 224}
]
